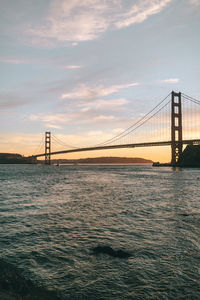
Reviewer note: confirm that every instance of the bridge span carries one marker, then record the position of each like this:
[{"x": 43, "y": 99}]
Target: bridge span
[
  {"x": 137, "y": 145},
  {"x": 176, "y": 137}
]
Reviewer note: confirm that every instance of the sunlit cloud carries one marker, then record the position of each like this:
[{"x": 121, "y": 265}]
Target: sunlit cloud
[
  {"x": 116, "y": 131},
  {"x": 72, "y": 67},
  {"x": 76, "y": 21},
  {"x": 50, "y": 118},
  {"x": 53, "y": 126},
  {"x": 104, "y": 118},
  {"x": 85, "y": 92},
  {"x": 72, "y": 118},
  {"x": 38, "y": 61},
  {"x": 15, "y": 61},
  {"x": 140, "y": 12},
  {"x": 170, "y": 80},
  {"x": 95, "y": 133},
  {"x": 111, "y": 104},
  {"x": 195, "y": 2},
  {"x": 72, "y": 21}
]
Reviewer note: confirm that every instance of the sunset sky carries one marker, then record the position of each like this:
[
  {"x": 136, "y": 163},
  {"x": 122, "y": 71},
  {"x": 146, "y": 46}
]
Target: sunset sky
[{"x": 86, "y": 70}]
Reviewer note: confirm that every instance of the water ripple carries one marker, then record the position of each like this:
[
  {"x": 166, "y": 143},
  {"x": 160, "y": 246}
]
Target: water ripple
[{"x": 51, "y": 217}]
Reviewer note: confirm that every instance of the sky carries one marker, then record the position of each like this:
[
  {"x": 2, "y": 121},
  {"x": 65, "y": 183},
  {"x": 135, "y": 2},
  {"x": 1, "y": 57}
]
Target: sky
[{"x": 86, "y": 70}]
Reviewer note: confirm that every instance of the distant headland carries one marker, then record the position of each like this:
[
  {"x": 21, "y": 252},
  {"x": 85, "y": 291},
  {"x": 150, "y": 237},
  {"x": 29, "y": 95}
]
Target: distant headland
[
  {"x": 104, "y": 160},
  {"x": 13, "y": 158}
]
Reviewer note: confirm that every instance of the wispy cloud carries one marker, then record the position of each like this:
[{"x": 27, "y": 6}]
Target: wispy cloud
[
  {"x": 95, "y": 133},
  {"x": 140, "y": 12},
  {"x": 50, "y": 118},
  {"x": 9, "y": 100},
  {"x": 53, "y": 126},
  {"x": 195, "y": 2},
  {"x": 170, "y": 80},
  {"x": 16, "y": 61},
  {"x": 103, "y": 118},
  {"x": 85, "y": 92},
  {"x": 41, "y": 61},
  {"x": 72, "y": 67},
  {"x": 72, "y": 21},
  {"x": 81, "y": 117},
  {"x": 112, "y": 104},
  {"x": 75, "y": 21}
]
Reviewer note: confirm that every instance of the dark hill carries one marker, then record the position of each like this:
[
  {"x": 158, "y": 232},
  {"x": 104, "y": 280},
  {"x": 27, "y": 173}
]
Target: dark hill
[
  {"x": 10, "y": 158},
  {"x": 104, "y": 160},
  {"x": 114, "y": 160},
  {"x": 190, "y": 157},
  {"x": 14, "y": 158}
]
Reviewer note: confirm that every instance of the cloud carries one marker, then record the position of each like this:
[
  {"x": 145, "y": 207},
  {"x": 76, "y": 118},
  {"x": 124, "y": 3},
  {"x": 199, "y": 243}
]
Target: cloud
[
  {"x": 170, "y": 80},
  {"x": 103, "y": 118},
  {"x": 195, "y": 2},
  {"x": 72, "y": 67},
  {"x": 53, "y": 126},
  {"x": 140, "y": 12},
  {"x": 89, "y": 109},
  {"x": 76, "y": 21},
  {"x": 15, "y": 61},
  {"x": 80, "y": 117},
  {"x": 95, "y": 133},
  {"x": 41, "y": 61},
  {"x": 50, "y": 118},
  {"x": 72, "y": 21},
  {"x": 11, "y": 100},
  {"x": 112, "y": 105},
  {"x": 116, "y": 131},
  {"x": 85, "y": 92}
]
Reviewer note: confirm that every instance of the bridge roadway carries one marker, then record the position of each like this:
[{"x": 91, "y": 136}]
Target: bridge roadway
[{"x": 136, "y": 145}]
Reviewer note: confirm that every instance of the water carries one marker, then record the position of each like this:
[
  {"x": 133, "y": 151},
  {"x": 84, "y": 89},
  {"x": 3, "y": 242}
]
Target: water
[{"x": 52, "y": 216}]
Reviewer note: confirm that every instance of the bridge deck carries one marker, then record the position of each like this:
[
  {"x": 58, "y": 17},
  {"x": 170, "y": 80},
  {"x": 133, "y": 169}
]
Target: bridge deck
[{"x": 136, "y": 145}]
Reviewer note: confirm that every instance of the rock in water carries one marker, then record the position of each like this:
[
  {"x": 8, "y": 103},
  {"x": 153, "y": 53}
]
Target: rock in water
[{"x": 110, "y": 251}]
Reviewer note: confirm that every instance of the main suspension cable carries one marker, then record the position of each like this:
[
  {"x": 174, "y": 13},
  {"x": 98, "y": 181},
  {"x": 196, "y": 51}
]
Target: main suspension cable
[
  {"x": 191, "y": 99},
  {"x": 38, "y": 148},
  {"x": 133, "y": 125},
  {"x": 57, "y": 140},
  {"x": 150, "y": 117}
]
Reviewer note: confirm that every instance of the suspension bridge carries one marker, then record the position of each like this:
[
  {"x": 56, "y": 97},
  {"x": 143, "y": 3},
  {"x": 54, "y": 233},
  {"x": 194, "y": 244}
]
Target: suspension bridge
[{"x": 174, "y": 122}]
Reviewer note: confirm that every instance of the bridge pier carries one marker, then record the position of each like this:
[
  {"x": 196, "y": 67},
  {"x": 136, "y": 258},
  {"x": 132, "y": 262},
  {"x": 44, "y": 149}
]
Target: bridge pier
[
  {"x": 176, "y": 127},
  {"x": 47, "y": 148}
]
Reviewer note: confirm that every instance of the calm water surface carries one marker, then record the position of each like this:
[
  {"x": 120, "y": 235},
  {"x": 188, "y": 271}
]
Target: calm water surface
[{"x": 52, "y": 216}]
